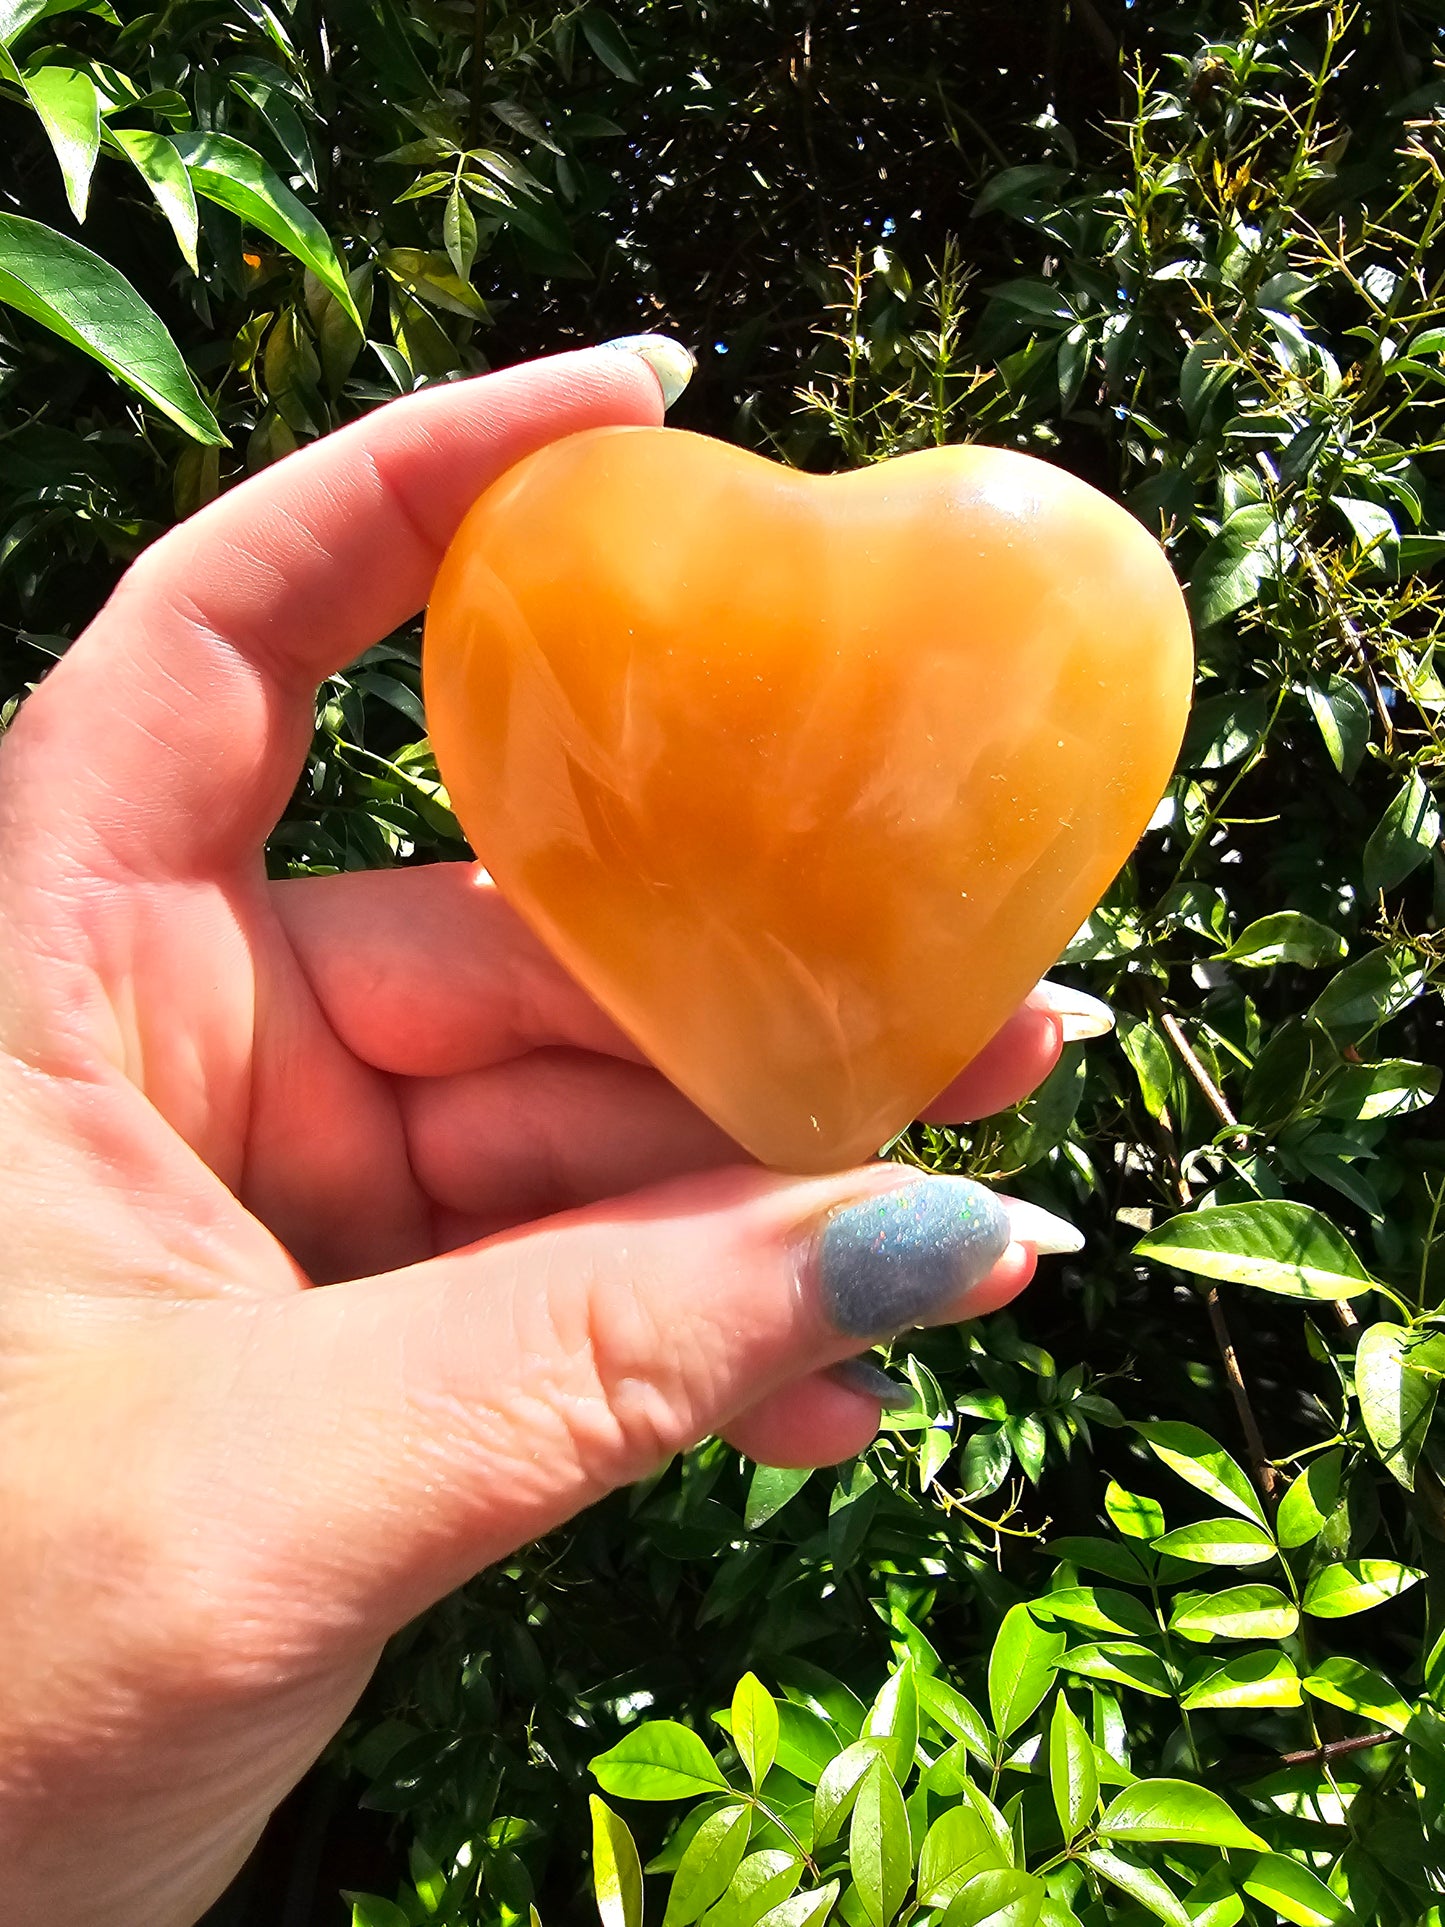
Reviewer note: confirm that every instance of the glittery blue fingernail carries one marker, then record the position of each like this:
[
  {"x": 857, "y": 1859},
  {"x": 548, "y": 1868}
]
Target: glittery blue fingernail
[
  {"x": 903, "y": 1257},
  {"x": 862, "y": 1375}
]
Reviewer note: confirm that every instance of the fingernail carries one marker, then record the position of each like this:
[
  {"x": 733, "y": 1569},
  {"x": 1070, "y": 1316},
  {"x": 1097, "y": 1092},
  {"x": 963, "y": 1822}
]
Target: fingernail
[
  {"x": 897, "y": 1259},
  {"x": 861, "y": 1375},
  {"x": 1048, "y": 1236},
  {"x": 669, "y": 361},
  {"x": 1079, "y": 1014}
]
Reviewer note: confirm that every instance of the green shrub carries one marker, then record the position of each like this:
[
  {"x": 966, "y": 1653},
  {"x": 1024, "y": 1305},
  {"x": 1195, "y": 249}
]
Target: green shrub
[
  {"x": 922, "y": 1806},
  {"x": 1194, "y": 252}
]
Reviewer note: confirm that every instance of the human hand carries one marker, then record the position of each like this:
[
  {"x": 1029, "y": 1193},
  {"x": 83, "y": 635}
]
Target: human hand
[{"x": 221, "y": 1490}]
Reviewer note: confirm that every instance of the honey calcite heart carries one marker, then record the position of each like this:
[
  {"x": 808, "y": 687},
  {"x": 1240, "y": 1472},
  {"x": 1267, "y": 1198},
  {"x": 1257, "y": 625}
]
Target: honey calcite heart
[{"x": 806, "y": 779}]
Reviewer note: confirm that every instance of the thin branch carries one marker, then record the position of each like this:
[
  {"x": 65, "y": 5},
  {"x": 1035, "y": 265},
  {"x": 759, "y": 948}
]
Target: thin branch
[
  {"x": 1334, "y": 1749},
  {"x": 1215, "y": 1097},
  {"x": 1220, "y": 1106},
  {"x": 1266, "y": 1477},
  {"x": 479, "y": 70}
]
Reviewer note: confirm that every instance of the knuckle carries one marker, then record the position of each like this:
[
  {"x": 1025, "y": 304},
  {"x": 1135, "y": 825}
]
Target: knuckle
[{"x": 653, "y": 1375}]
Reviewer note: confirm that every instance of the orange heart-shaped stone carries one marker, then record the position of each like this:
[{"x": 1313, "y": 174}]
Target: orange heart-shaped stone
[{"x": 806, "y": 779}]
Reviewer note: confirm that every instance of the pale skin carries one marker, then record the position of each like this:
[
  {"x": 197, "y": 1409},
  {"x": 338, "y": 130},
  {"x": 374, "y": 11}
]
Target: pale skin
[{"x": 221, "y": 1490}]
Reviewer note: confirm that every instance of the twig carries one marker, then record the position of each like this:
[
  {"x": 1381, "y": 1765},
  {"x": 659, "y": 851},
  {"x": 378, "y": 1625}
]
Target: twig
[
  {"x": 1216, "y": 1098},
  {"x": 1266, "y": 1477},
  {"x": 479, "y": 70},
  {"x": 1333, "y": 1749},
  {"x": 1220, "y": 1106}
]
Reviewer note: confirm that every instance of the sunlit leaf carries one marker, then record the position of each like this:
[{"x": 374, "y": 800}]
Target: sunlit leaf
[
  {"x": 1355, "y": 1585},
  {"x": 88, "y": 303},
  {"x": 1175, "y": 1810},
  {"x": 1274, "y": 1245},
  {"x": 616, "y": 1869},
  {"x": 659, "y": 1760},
  {"x": 228, "y": 172}
]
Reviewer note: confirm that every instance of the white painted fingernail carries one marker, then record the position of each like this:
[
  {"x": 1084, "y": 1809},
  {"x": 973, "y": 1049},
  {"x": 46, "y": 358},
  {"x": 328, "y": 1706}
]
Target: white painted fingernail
[
  {"x": 670, "y": 362},
  {"x": 1040, "y": 1230},
  {"x": 1080, "y": 1015}
]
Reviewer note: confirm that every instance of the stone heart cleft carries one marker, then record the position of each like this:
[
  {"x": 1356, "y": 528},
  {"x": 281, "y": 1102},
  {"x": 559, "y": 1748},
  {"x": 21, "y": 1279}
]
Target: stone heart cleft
[{"x": 806, "y": 779}]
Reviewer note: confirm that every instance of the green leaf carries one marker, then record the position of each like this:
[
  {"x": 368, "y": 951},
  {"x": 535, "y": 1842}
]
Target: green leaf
[
  {"x": 949, "y": 1709},
  {"x": 838, "y": 1786},
  {"x": 265, "y": 90},
  {"x": 771, "y": 1488},
  {"x": 1152, "y": 1063},
  {"x": 1309, "y": 1500},
  {"x": 761, "y": 1882},
  {"x": 1073, "y": 1772},
  {"x": 459, "y": 233},
  {"x": 1393, "y": 1088},
  {"x": 616, "y": 1869},
  {"x": 1135, "y": 1517},
  {"x": 708, "y": 1865},
  {"x": 1404, "y": 837},
  {"x": 1225, "y": 729},
  {"x": 958, "y": 1845},
  {"x": 893, "y": 1717},
  {"x": 1239, "y": 1612},
  {"x": 1100, "y": 1609},
  {"x": 370, "y": 1910},
  {"x": 235, "y": 176},
  {"x": 1125, "y": 1662},
  {"x": 1273, "y": 1244},
  {"x": 1106, "y": 1555},
  {"x": 806, "y": 1742},
  {"x": 1366, "y": 994},
  {"x": 426, "y": 1876},
  {"x": 660, "y": 1760},
  {"x": 83, "y": 299},
  {"x": 1020, "y": 1668},
  {"x": 1254, "y": 1679},
  {"x": 1174, "y": 1810},
  {"x": 1139, "y": 1883},
  {"x": 1287, "y": 936},
  {"x": 429, "y": 276},
  {"x": 1234, "y": 563},
  {"x": 604, "y": 37},
  {"x": 984, "y": 1463},
  {"x": 69, "y": 108},
  {"x": 1396, "y": 1404},
  {"x": 880, "y": 1852},
  {"x": 668, "y": 1857},
  {"x": 1343, "y": 716},
  {"x": 1293, "y": 1893},
  {"x": 801, "y": 1910},
  {"x": 1203, "y": 1463},
  {"x": 1361, "y": 1690},
  {"x": 1212, "y": 1901},
  {"x": 160, "y": 166},
  {"x": 1354, "y": 1585},
  {"x": 1369, "y": 523},
  {"x": 1219, "y": 1542},
  {"x": 998, "y": 1899},
  {"x": 755, "y": 1727}
]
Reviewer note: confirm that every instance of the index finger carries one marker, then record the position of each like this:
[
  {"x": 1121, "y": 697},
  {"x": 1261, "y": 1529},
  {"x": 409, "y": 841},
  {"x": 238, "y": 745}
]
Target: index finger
[{"x": 173, "y": 731}]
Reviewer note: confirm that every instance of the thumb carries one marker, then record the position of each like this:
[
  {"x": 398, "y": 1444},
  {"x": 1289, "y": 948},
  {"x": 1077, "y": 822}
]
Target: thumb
[{"x": 406, "y": 1430}]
